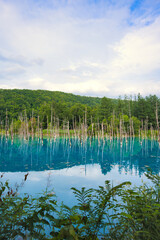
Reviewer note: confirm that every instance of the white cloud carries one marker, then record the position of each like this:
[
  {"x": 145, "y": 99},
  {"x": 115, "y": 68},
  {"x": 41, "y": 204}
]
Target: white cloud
[
  {"x": 78, "y": 48},
  {"x": 36, "y": 82},
  {"x": 139, "y": 50},
  {"x": 136, "y": 65},
  {"x": 90, "y": 86}
]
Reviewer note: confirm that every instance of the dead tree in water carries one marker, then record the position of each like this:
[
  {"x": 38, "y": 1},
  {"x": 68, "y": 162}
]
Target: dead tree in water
[
  {"x": 6, "y": 126},
  {"x": 146, "y": 127},
  {"x": 102, "y": 132},
  {"x": 51, "y": 123},
  {"x": 38, "y": 127},
  {"x": 85, "y": 122},
  {"x": 32, "y": 125},
  {"x": 12, "y": 131},
  {"x": 47, "y": 126},
  {"x": 1, "y": 123},
  {"x": 69, "y": 134},
  {"x": 157, "y": 123},
  {"x": 120, "y": 130},
  {"x": 41, "y": 133}
]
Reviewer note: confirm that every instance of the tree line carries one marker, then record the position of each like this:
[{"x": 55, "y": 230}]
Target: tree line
[{"x": 48, "y": 105}]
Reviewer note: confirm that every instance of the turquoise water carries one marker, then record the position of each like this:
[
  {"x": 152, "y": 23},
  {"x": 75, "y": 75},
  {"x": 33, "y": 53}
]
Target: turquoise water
[{"x": 59, "y": 164}]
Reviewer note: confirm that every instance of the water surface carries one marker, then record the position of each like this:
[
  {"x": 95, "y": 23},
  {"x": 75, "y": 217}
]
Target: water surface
[{"x": 61, "y": 164}]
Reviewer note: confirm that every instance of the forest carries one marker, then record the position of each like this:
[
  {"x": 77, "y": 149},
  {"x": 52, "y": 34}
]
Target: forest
[{"x": 45, "y": 105}]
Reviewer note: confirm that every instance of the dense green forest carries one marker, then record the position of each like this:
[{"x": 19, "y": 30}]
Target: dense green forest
[{"x": 73, "y": 108}]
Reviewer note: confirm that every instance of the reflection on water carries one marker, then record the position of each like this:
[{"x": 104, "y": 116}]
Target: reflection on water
[
  {"x": 61, "y": 165},
  {"x": 22, "y": 155}
]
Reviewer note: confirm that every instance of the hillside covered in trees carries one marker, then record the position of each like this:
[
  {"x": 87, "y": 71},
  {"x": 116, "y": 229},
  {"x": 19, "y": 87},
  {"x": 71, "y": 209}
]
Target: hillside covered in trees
[{"x": 73, "y": 108}]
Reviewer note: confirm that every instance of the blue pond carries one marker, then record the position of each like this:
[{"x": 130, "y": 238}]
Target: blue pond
[{"x": 59, "y": 165}]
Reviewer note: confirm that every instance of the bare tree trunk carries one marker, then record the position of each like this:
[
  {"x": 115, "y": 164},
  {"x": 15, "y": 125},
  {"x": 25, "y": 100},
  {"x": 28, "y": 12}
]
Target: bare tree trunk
[{"x": 157, "y": 123}]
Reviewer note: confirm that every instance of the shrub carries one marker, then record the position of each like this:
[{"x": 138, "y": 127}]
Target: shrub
[{"x": 119, "y": 212}]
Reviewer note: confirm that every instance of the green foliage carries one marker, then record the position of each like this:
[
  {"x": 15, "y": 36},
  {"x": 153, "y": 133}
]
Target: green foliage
[
  {"x": 106, "y": 108},
  {"x": 92, "y": 129},
  {"x": 109, "y": 212},
  {"x": 25, "y": 216},
  {"x": 17, "y": 125},
  {"x": 136, "y": 124},
  {"x": 15, "y": 101},
  {"x": 140, "y": 216},
  {"x": 70, "y": 107}
]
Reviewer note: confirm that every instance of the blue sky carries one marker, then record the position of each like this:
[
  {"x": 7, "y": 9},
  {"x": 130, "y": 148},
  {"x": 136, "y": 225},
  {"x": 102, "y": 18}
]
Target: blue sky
[{"x": 87, "y": 47}]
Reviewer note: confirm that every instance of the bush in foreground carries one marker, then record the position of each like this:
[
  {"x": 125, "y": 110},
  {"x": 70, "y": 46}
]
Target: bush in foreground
[{"x": 119, "y": 212}]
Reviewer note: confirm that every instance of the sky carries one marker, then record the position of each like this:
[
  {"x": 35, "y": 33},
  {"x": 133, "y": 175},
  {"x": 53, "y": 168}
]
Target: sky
[{"x": 86, "y": 47}]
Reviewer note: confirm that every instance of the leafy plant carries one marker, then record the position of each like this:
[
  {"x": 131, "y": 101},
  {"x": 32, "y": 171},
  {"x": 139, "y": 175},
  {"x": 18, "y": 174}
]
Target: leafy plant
[
  {"x": 25, "y": 216},
  {"x": 109, "y": 212},
  {"x": 140, "y": 215}
]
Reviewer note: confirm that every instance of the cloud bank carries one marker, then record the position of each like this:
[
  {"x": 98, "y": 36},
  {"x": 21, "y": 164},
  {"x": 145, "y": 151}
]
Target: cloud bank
[{"x": 87, "y": 47}]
